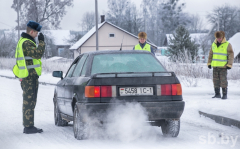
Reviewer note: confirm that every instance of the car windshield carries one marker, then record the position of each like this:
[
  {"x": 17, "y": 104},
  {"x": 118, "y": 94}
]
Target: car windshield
[{"x": 125, "y": 62}]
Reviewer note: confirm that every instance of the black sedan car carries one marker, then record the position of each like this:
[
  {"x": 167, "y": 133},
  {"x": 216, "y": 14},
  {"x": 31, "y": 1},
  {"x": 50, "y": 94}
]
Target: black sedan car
[{"x": 94, "y": 79}]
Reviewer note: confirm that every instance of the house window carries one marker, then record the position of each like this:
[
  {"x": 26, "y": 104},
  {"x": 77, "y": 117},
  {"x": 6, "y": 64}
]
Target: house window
[
  {"x": 111, "y": 35},
  {"x": 60, "y": 51}
]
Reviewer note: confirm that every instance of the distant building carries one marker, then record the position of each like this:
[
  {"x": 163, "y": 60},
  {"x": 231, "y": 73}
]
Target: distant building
[
  {"x": 56, "y": 42},
  {"x": 235, "y": 42},
  {"x": 163, "y": 51},
  {"x": 110, "y": 37},
  {"x": 59, "y": 40}
]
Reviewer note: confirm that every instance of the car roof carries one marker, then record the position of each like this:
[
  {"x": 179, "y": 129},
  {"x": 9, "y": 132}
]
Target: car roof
[{"x": 117, "y": 51}]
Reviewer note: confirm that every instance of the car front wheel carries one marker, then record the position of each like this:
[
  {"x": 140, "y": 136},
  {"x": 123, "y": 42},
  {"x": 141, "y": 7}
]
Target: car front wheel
[
  {"x": 170, "y": 128},
  {"x": 79, "y": 127}
]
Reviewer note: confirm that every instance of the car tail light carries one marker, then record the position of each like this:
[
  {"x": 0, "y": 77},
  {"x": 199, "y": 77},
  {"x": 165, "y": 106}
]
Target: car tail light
[
  {"x": 100, "y": 91},
  {"x": 169, "y": 89},
  {"x": 179, "y": 89},
  {"x": 92, "y": 91},
  {"x": 174, "y": 89},
  {"x": 166, "y": 89},
  {"x": 106, "y": 91}
]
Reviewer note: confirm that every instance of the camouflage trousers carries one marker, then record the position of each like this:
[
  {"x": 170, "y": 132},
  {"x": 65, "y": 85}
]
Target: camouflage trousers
[
  {"x": 220, "y": 77},
  {"x": 30, "y": 89}
]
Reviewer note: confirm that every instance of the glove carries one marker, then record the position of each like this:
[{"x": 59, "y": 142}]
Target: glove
[
  {"x": 228, "y": 67},
  {"x": 40, "y": 37},
  {"x": 209, "y": 66}
]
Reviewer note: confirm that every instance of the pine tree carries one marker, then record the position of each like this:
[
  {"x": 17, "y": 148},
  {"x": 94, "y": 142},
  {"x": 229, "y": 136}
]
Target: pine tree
[{"x": 181, "y": 47}]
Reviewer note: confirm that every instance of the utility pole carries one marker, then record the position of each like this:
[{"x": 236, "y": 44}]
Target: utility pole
[
  {"x": 96, "y": 17},
  {"x": 18, "y": 18}
]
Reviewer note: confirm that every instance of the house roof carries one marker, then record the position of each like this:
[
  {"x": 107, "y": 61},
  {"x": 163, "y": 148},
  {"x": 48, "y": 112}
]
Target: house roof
[
  {"x": 93, "y": 30},
  {"x": 194, "y": 36},
  {"x": 59, "y": 36},
  {"x": 234, "y": 40}
]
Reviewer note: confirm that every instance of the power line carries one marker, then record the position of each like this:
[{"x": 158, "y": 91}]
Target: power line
[{"x": 6, "y": 24}]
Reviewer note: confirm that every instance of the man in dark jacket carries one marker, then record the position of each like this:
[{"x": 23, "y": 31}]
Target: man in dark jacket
[
  {"x": 143, "y": 45},
  {"x": 30, "y": 83}
]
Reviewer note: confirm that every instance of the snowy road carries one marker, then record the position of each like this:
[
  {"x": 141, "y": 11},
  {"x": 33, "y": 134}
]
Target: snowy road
[{"x": 195, "y": 132}]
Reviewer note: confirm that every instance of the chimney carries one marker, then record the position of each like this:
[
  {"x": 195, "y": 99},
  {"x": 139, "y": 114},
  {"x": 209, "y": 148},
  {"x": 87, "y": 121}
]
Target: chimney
[{"x": 102, "y": 18}]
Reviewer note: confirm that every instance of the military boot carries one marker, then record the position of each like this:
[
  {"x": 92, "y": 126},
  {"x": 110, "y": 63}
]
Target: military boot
[
  {"x": 32, "y": 129},
  {"x": 224, "y": 92},
  {"x": 217, "y": 92}
]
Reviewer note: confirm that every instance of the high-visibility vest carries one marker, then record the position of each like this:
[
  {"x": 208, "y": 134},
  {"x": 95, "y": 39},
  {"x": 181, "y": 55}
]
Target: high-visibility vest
[
  {"x": 219, "y": 58},
  {"x": 21, "y": 69},
  {"x": 147, "y": 47}
]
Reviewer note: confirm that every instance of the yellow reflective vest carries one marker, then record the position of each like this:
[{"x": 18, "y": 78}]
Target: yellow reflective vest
[
  {"x": 147, "y": 47},
  {"x": 21, "y": 69},
  {"x": 219, "y": 55}
]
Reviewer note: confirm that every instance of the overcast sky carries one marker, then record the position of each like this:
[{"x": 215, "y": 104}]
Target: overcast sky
[{"x": 73, "y": 17}]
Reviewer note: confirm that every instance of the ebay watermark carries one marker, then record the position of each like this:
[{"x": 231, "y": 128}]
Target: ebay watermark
[{"x": 224, "y": 139}]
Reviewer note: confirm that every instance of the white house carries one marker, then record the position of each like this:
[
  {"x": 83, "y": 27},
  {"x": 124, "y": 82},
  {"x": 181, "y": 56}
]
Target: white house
[
  {"x": 235, "y": 42},
  {"x": 110, "y": 37}
]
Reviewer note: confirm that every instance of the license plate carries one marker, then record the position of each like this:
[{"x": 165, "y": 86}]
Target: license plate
[{"x": 131, "y": 91}]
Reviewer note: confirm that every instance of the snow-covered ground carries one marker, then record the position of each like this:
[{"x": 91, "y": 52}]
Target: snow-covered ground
[{"x": 196, "y": 132}]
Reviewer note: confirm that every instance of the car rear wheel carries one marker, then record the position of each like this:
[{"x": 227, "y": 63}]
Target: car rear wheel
[
  {"x": 170, "y": 128},
  {"x": 79, "y": 127},
  {"x": 58, "y": 118}
]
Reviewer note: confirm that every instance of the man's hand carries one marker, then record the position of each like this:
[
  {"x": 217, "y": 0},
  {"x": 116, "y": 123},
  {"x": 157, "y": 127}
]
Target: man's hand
[
  {"x": 228, "y": 67},
  {"x": 209, "y": 66},
  {"x": 40, "y": 37}
]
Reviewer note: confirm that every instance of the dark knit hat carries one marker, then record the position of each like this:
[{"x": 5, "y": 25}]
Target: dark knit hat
[
  {"x": 219, "y": 34},
  {"x": 34, "y": 25},
  {"x": 142, "y": 35}
]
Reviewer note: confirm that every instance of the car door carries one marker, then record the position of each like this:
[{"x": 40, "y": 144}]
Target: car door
[
  {"x": 60, "y": 96},
  {"x": 61, "y": 89},
  {"x": 69, "y": 84}
]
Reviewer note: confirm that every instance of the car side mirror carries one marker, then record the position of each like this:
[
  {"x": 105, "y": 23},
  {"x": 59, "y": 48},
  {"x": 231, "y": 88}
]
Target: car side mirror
[{"x": 58, "y": 74}]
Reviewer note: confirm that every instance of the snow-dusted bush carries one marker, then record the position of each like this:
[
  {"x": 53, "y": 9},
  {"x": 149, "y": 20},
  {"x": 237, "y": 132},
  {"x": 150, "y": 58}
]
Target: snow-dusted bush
[
  {"x": 190, "y": 73},
  {"x": 48, "y": 66}
]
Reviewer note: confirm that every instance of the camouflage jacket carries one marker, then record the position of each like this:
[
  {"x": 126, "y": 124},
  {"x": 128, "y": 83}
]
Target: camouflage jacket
[{"x": 29, "y": 49}]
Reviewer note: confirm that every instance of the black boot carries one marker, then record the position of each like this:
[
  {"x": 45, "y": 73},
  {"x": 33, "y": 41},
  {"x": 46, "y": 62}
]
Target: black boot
[
  {"x": 224, "y": 92},
  {"x": 32, "y": 129},
  {"x": 217, "y": 92}
]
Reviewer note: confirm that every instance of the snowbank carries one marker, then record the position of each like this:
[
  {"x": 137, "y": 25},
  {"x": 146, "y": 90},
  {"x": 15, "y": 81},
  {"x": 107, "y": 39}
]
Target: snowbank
[{"x": 204, "y": 102}]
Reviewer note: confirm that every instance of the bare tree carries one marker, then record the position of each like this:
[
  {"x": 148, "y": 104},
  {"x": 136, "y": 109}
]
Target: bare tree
[
  {"x": 116, "y": 11},
  {"x": 88, "y": 21},
  {"x": 196, "y": 24},
  {"x": 8, "y": 42},
  {"x": 48, "y": 13},
  {"x": 226, "y": 18},
  {"x": 124, "y": 14},
  {"x": 162, "y": 17},
  {"x": 74, "y": 37},
  {"x": 205, "y": 44}
]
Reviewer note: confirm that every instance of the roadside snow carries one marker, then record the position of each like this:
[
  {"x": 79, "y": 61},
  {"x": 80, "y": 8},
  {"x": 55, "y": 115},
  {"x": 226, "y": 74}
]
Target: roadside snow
[{"x": 204, "y": 102}]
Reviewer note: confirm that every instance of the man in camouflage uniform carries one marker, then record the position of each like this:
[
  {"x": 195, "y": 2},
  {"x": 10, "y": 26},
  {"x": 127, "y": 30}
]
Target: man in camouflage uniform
[
  {"x": 221, "y": 58},
  {"x": 30, "y": 84}
]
